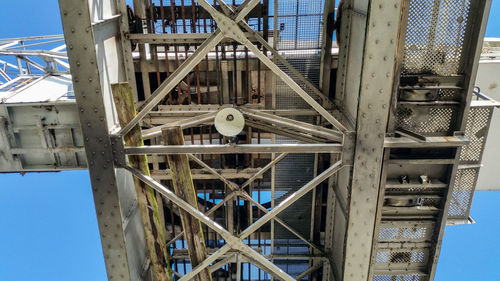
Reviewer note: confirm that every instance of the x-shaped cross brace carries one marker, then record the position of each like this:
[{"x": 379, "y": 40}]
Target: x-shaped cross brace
[
  {"x": 234, "y": 242},
  {"x": 227, "y": 27}
]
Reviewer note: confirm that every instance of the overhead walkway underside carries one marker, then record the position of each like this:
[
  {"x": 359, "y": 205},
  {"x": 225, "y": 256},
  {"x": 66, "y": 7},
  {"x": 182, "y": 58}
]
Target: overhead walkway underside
[{"x": 352, "y": 159}]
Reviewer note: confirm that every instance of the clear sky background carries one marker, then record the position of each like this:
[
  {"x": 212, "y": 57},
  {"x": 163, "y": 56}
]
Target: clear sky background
[{"x": 48, "y": 227}]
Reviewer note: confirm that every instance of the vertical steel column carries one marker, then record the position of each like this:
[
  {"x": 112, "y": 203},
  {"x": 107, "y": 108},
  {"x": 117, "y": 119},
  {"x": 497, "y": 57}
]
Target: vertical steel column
[
  {"x": 126, "y": 47},
  {"x": 380, "y": 50},
  {"x": 351, "y": 43},
  {"x": 78, "y": 32},
  {"x": 140, "y": 12},
  {"x": 326, "y": 46},
  {"x": 352, "y": 39}
]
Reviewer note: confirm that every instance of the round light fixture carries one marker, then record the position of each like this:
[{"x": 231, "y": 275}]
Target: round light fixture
[{"x": 229, "y": 122}]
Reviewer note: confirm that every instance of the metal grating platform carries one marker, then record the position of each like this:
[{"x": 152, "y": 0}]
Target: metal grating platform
[
  {"x": 435, "y": 37},
  {"x": 427, "y": 120},
  {"x": 476, "y": 130}
]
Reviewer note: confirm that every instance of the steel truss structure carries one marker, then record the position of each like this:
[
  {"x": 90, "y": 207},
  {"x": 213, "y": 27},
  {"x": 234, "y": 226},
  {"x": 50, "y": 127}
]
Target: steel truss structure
[
  {"x": 29, "y": 56},
  {"x": 364, "y": 155},
  {"x": 102, "y": 163}
]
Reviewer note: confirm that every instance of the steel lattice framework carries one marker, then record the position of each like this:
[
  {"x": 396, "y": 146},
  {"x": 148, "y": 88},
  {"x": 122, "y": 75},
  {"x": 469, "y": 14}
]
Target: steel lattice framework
[{"x": 366, "y": 153}]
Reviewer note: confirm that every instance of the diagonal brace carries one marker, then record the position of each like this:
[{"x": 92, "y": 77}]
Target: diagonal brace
[
  {"x": 175, "y": 78},
  {"x": 233, "y": 242}
]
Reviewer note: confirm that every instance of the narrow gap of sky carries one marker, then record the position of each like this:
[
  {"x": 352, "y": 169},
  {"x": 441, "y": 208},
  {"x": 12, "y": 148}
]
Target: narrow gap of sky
[{"x": 48, "y": 228}]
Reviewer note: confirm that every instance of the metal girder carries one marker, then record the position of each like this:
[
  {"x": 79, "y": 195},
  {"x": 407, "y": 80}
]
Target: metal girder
[
  {"x": 38, "y": 53},
  {"x": 285, "y": 132},
  {"x": 47, "y": 149},
  {"x": 326, "y": 45},
  {"x": 434, "y": 141},
  {"x": 175, "y": 38},
  {"x": 351, "y": 47},
  {"x": 230, "y": 148},
  {"x": 77, "y": 25},
  {"x": 377, "y": 78},
  {"x": 306, "y": 132},
  {"x": 173, "y": 113},
  {"x": 201, "y": 174}
]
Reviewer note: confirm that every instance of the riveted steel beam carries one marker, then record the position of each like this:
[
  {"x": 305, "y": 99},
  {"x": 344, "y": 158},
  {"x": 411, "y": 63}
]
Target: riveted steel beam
[
  {"x": 377, "y": 79},
  {"x": 77, "y": 25}
]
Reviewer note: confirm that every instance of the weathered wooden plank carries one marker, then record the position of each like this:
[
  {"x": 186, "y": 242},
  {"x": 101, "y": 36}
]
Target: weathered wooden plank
[
  {"x": 182, "y": 181},
  {"x": 155, "y": 237}
]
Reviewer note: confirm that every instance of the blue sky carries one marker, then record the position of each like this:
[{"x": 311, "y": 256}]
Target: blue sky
[{"x": 48, "y": 228}]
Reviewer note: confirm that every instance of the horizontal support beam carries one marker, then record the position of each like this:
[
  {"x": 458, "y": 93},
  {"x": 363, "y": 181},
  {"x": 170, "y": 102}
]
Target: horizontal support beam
[
  {"x": 278, "y": 112},
  {"x": 441, "y": 161},
  {"x": 285, "y": 132},
  {"x": 199, "y": 12},
  {"x": 407, "y": 142},
  {"x": 181, "y": 254},
  {"x": 177, "y": 38},
  {"x": 230, "y": 149},
  {"x": 36, "y": 53},
  {"x": 60, "y": 149},
  {"x": 203, "y": 174}
]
